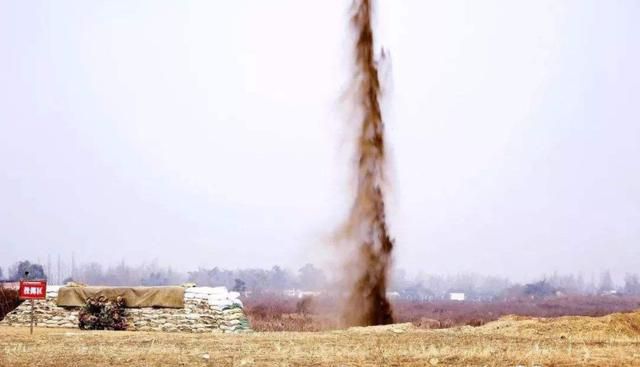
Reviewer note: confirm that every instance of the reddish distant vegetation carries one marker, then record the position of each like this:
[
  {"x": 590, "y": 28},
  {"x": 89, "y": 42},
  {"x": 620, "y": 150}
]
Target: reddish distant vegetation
[
  {"x": 8, "y": 300},
  {"x": 271, "y": 312}
]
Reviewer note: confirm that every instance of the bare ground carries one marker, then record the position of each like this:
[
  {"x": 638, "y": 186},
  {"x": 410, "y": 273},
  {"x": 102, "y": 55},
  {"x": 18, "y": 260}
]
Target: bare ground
[{"x": 612, "y": 340}]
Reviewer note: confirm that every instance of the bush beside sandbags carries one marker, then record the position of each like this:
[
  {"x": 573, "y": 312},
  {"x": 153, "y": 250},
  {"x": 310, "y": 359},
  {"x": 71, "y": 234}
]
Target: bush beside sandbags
[{"x": 102, "y": 314}]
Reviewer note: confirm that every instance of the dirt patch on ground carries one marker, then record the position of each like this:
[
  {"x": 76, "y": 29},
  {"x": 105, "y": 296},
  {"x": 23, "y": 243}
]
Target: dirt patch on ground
[{"x": 617, "y": 325}]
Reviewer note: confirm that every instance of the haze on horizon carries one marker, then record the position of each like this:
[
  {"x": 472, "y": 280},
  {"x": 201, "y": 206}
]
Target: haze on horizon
[{"x": 213, "y": 133}]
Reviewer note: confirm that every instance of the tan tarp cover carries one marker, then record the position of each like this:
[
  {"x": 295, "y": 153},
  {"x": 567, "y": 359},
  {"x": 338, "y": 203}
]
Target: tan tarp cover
[{"x": 134, "y": 297}]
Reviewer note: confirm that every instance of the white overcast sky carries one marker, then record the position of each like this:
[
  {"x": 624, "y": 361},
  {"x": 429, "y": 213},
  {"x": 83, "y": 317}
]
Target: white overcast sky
[{"x": 213, "y": 133}]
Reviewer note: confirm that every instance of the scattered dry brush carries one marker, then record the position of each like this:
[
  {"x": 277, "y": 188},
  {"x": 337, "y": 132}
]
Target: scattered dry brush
[{"x": 272, "y": 312}]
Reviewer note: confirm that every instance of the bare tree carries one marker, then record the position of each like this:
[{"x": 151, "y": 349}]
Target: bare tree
[{"x": 632, "y": 284}]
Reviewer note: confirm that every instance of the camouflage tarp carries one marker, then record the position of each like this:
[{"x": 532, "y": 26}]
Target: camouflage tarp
[{"x": 134, "y": 297}]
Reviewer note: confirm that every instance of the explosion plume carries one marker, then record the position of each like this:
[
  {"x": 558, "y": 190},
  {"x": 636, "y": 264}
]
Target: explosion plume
[{"x": 366, "y": 227}]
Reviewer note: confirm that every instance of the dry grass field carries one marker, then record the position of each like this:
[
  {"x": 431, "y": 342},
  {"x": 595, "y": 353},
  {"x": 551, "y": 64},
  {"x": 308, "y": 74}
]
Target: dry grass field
[{"x": 612, "y": 340}]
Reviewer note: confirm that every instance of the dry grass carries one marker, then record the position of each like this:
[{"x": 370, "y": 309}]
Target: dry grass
[{"x": 612, "y": 340}]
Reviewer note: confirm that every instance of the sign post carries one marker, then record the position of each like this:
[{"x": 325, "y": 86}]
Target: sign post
[
  {"x": 33, "y": 316},
  {"x": 32, "y": 290}
]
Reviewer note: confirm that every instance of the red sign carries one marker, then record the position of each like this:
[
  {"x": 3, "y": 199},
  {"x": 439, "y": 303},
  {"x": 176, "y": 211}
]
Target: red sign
[{"x": 33, "y": 289}]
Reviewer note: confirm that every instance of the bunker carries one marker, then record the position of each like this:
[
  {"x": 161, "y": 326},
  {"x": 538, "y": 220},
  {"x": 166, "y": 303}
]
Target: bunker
[{"x": 169, "y": 309}]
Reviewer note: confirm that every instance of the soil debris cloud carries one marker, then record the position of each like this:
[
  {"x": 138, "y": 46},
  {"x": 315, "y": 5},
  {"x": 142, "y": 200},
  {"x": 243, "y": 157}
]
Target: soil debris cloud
[{"x": 366, "y": 226}]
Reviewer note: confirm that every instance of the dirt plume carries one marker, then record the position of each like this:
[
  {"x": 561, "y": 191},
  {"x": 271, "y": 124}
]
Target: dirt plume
[{"x": 366, "y": 228}]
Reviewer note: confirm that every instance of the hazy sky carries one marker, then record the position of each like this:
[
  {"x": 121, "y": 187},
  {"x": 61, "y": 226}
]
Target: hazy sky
[{"x": 213, "y": 133}]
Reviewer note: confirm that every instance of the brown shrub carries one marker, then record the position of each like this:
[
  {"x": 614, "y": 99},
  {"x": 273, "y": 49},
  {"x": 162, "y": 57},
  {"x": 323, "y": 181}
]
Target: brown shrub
[
  {"x": 9, "y": 300},
  {"x": 447, "y": 323},
  {"x": 103, "y": 314},
  {"x": 304, "y": 305},
  {"x": 475, "y": 322},
  {"x": 426, "y": 323}
]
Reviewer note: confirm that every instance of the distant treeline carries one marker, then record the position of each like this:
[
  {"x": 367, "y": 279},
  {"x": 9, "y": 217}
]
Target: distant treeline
[{"x": 311, "y": 278}]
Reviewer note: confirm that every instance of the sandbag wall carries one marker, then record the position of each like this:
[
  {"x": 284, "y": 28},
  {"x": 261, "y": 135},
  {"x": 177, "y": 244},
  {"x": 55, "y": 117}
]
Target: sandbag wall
[{"x": 205, "y": 309}]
